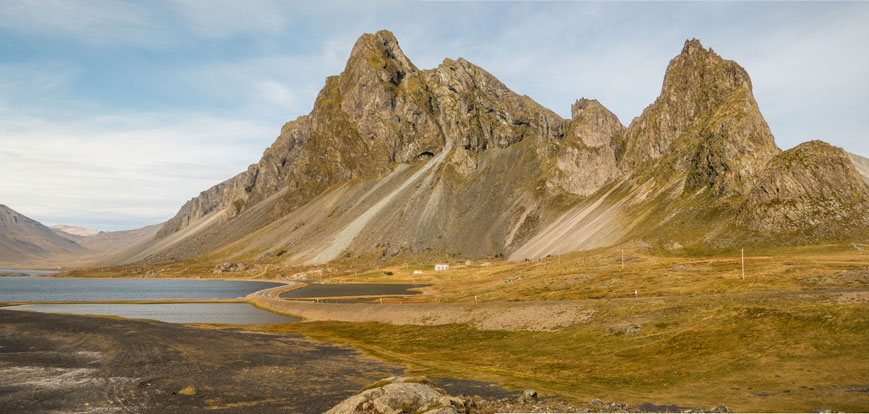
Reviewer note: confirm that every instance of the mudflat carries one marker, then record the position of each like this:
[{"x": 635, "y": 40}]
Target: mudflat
[{"x": 69, "y": 363}]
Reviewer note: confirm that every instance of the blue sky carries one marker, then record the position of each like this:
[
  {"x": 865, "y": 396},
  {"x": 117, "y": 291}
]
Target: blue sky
[{"x": 113, "y": 114}]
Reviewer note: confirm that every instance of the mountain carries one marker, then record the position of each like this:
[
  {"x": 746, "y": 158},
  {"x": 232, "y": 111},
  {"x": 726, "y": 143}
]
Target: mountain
[
  {"x": 395, "y": 162},
  {"x": 26, "y": 242},
  {"x": 811, "y": 193},
  {"x": 22, "y": 238},
  {"x": 76, "y": 231},
  {"x": 862, "y": 166}
]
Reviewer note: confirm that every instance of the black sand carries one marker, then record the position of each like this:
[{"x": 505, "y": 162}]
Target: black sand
[
  {"x": 76, "y": 363},
  {"x": 315, "y": 290},
  {"x": 70, "y": 363}
]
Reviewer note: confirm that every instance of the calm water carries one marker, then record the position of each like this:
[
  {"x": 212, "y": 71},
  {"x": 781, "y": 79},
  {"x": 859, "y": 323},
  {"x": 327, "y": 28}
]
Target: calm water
[
  {"x": 26, "y": 289},
  {"x": 315, "y": 290},
  {"x": 230, "y": 313},
  {"x": 29, "y": 272}
]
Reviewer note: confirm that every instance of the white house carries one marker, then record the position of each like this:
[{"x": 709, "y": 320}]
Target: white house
[{"x": 441, "y": 267}]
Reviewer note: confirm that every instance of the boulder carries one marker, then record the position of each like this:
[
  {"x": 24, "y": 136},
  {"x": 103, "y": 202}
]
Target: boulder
[{"x": 400, "y": 395}]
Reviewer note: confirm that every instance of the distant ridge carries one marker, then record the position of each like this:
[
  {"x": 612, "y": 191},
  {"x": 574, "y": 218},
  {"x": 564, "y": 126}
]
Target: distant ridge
[
  {"x": 22, "y": 238},
  {"x": 77, "y": 231}
]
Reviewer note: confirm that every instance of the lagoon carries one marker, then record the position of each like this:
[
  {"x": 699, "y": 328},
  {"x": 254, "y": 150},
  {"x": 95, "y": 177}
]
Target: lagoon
[
  {"x": 222, "y": 313},
  {"x": 30, "y": 289}
]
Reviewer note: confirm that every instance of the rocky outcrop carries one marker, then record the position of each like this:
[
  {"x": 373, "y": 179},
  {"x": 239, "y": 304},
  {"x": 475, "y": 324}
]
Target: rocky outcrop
[
  {"x": 397, "y": 395},
  {"x": 401, "y": 395},
  {"x": 807, "y": 194},
  {"x": 586, "y": 157}
]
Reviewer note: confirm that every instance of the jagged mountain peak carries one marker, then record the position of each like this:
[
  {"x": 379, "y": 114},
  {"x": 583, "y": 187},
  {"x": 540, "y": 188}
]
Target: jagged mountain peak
[
  {"x": 380, "y": 55},
  {"x": 593, "y": 124},
  {"x": 698, "y": 85},
  {"x": 697, "y": 66}
]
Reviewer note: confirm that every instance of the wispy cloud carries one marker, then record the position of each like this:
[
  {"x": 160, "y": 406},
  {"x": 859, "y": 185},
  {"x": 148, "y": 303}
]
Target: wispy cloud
[
  {"x": 116, "y": 172},
  {"x": 99, "y": 22}
]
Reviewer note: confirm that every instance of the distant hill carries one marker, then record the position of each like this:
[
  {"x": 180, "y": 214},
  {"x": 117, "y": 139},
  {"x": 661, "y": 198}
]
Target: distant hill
[
  {"x": 76, "y": 231},
  {"x": 22, "y": 238},
  {"x": 26, "y": 242}
]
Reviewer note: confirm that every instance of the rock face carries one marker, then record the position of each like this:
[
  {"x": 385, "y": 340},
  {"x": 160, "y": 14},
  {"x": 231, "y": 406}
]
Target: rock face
[
  {"x": 396, "y": 162},
  {"x": 810, "y": 193},
  {"x": 698, "y": 83},
  {"x": 862, "y": 166},
  {"x": 586, "y": 157},
  {"x": 705, "y": 125}
]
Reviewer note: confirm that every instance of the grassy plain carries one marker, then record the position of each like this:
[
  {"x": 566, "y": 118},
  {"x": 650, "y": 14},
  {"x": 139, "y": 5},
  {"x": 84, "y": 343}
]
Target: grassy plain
[
  {"x": 672, "y": 327},
  {"x": 669, "y": 326}
]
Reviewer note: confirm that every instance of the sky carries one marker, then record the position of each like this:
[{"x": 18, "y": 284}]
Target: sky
[{"x": 113, "y": 113}]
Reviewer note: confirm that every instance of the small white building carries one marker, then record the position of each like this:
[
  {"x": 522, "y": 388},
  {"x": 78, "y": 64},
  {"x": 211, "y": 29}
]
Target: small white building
[
  {"x": 440, "y": 267},
  {"x": 417, "y": 272}
]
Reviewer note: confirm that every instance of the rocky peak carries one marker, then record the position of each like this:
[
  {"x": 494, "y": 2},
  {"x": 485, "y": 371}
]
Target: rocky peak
[
  {"x": 696, "y": 84},
  {"x": 379, "y": 54},
  {"x": 480, "y": 112},
  {"x": 698, "y": 69},
  {"x": 586, "y": 157},
  {"x": 593, "y": 124}
]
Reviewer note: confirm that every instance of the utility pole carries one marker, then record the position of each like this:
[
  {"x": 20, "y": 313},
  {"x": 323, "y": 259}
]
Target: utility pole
[
  {"x": 623, "y": 259},
  {"x": 743, "y": 263}
]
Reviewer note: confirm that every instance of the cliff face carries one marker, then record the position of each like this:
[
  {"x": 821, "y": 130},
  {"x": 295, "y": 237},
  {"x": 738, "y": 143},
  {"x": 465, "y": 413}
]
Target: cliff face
[
  {"x": 394, "y": 161},
  {"x": 586, "y": 158}
]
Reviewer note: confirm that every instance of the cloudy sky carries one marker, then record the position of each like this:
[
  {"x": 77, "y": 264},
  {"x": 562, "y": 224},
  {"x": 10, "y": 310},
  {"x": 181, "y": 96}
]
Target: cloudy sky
[{"x": 113, "y": 114}]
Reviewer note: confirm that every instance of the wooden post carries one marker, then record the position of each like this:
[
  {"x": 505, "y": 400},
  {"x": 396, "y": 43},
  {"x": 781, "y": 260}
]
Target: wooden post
[
  {"x": 623, "y": 259},
  {"x": 743, "y": 263}
]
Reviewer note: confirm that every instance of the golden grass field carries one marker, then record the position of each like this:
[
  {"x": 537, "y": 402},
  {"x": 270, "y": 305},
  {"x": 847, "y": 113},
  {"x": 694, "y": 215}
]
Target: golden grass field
[{"x": 671, "y": 327}]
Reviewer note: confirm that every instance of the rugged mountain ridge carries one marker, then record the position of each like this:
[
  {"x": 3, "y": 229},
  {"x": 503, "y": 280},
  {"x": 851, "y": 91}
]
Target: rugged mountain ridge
[{"x": 396, "y": 162}]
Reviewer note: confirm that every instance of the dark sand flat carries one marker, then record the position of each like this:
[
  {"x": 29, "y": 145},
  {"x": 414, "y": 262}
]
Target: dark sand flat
[
  {"x": 71, "y": 363},
  {"x": 68, "y": 363},
  {"x": 316, "y": 290}
]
